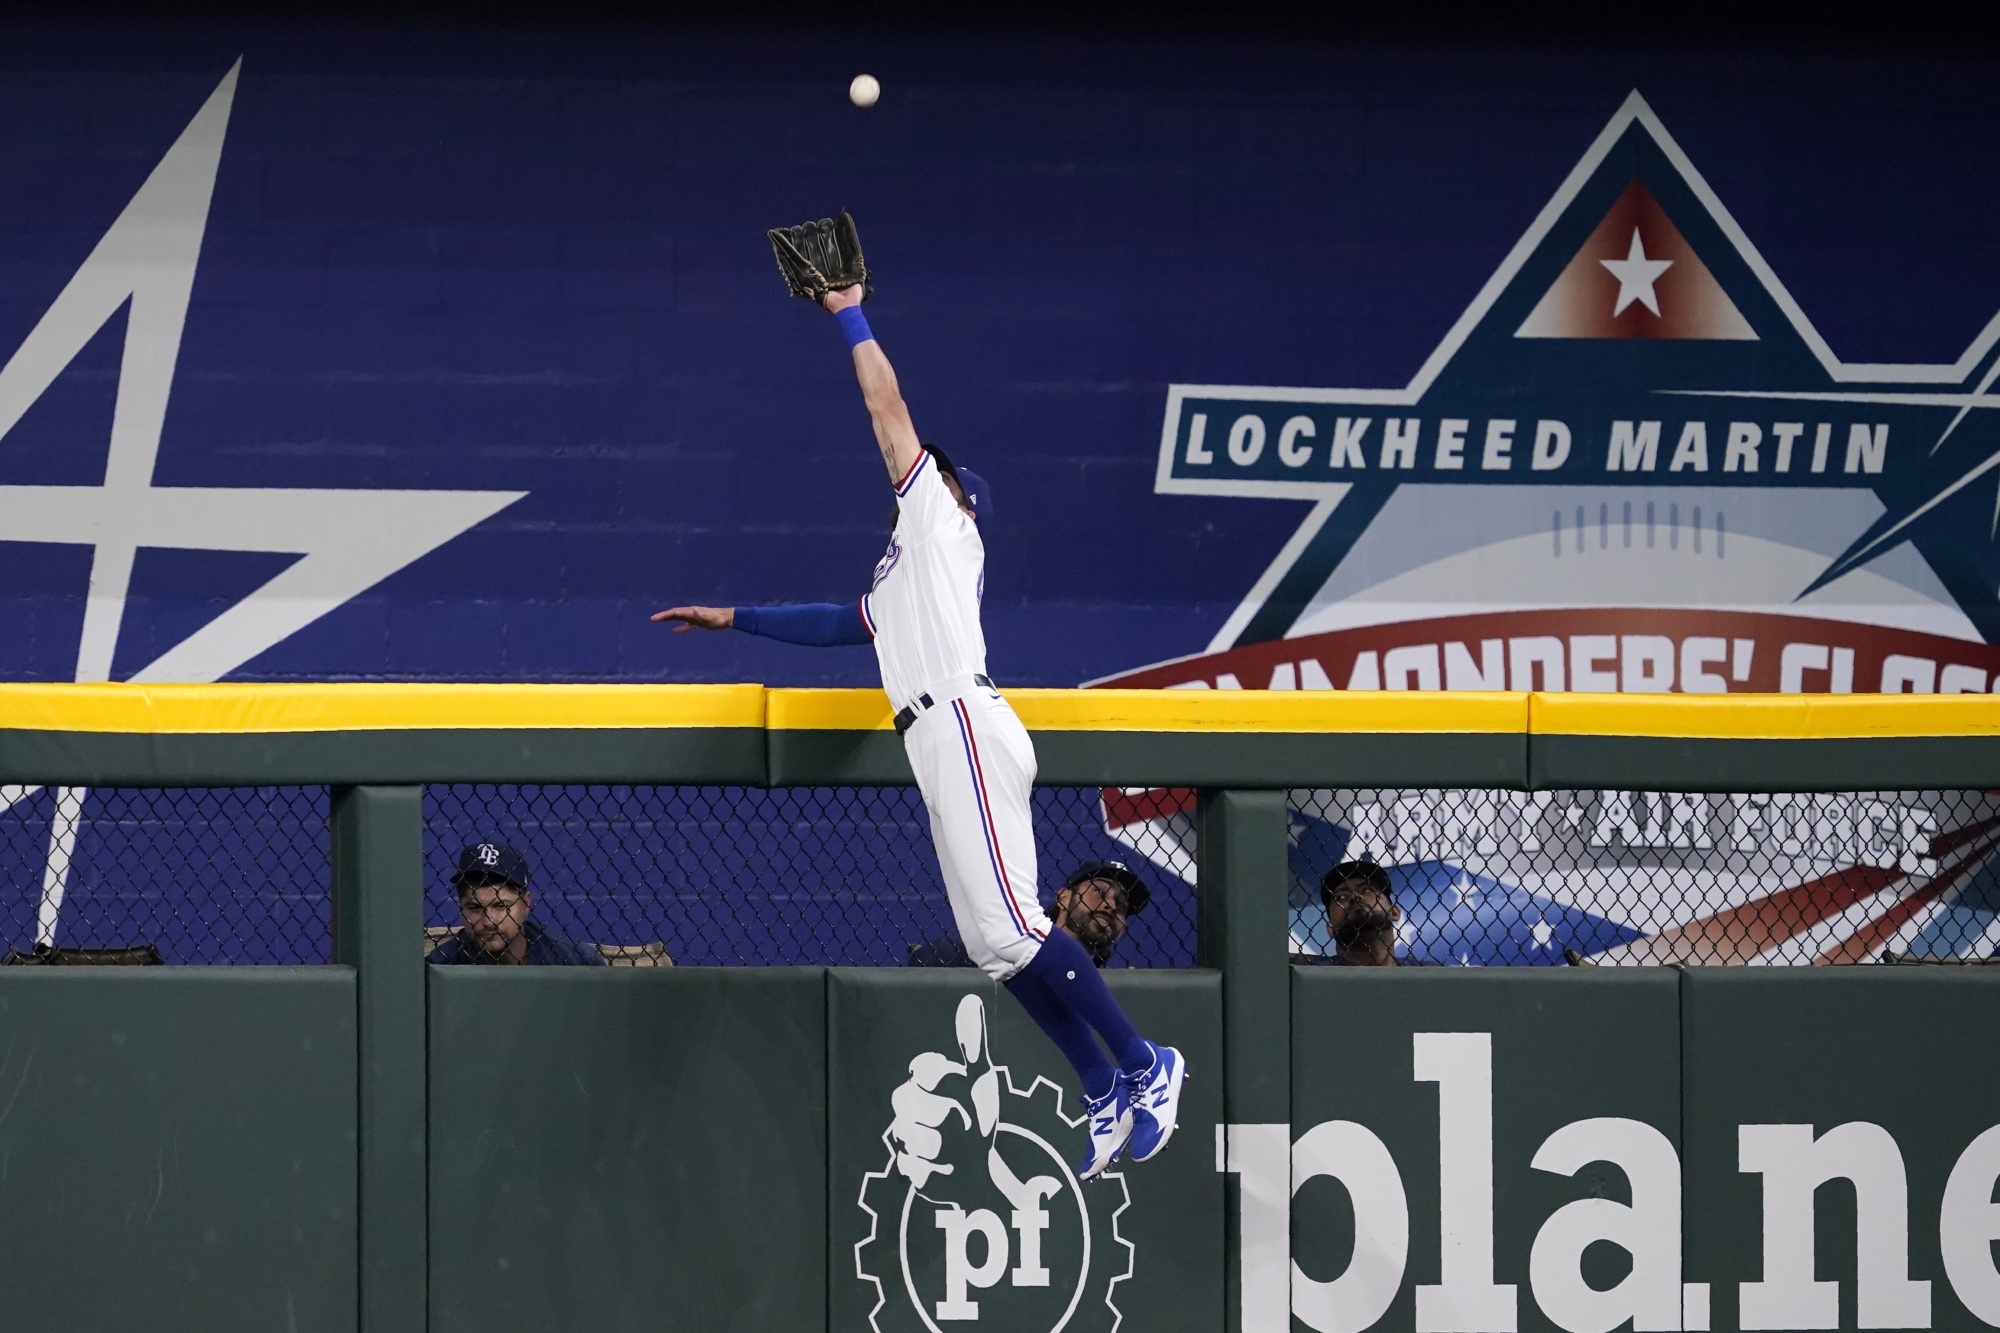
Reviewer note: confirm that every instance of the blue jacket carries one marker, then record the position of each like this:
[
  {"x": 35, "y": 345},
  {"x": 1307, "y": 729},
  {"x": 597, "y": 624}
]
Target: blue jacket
[{"x": 545, "y": 949}]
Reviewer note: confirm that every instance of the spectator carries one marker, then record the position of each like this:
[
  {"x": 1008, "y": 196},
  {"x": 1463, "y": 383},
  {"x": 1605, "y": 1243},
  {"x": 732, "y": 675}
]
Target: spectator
[
  {"x": 1361, "y": 917},
  {"x": 1093, "y": 906},
  {"x": 492, "y": 886}
]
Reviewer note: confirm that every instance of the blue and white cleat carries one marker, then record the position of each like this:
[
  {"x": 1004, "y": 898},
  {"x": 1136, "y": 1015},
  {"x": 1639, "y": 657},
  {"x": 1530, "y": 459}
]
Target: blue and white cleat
[
  {"x": 1156, "y": 1103},
  {"x": 1110, "y": 1124}
]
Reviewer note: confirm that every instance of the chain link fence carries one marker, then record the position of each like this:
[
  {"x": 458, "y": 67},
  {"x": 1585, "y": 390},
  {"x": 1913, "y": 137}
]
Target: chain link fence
[
  {"x": 842, "y": 876},
  {"x": 647, "y": 876},
  {"x": 1618, "y": 877},
  {"x": 167, "y": 875}
]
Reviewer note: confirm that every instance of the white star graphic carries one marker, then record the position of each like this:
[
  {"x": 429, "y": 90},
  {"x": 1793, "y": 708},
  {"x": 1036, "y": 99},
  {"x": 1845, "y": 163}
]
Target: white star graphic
[
  {"x": 347, "y": 540},
  {"x": 1636, "y": 275}
]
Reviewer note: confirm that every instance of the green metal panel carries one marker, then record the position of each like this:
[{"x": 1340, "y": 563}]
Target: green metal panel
[
  {"x": 1560, "y": 1046},
  {"x": 799, "y": 758},
  {"x": 1887, "y": 763},
  {"x": 721, "y": 755},
  {"x": 620, "y": 1149},
  {"x": 1183, "y": 759},
  {"x": 744, "y": 755},
  {"x": 177, "y": 1148},
  {"x": 1898, "y": 1047},
  {"x": 1241, "y": 842},
  {"x": 378, "y": 896},
  {"x": 1278, "y": 759},
  {"x": 1160, "y": 1220}
]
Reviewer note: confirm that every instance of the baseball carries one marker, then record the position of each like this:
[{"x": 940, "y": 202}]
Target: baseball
[{"x": 864, "y": 90}]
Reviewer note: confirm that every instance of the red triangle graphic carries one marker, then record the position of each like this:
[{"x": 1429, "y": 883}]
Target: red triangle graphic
[{"x": 1636, "y": 277}]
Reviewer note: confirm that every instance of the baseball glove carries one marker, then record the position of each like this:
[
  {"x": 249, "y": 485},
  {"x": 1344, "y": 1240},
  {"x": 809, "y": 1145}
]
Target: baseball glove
[{"x": 821, "y": 257}]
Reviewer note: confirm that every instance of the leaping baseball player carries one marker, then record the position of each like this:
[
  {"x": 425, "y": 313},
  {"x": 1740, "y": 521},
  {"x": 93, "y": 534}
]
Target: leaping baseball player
[{"x": 973, "y": 760}]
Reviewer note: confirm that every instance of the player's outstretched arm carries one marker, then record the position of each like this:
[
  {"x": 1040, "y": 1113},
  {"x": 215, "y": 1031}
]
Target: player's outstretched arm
[
  {"x": 895, "y": 434},
  {"x": 814, "y": 624}
]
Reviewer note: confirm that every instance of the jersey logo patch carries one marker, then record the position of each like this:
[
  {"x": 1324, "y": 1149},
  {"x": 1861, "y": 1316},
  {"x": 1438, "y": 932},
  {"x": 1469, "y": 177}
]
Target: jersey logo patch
[{"x": 887, "y": 562}]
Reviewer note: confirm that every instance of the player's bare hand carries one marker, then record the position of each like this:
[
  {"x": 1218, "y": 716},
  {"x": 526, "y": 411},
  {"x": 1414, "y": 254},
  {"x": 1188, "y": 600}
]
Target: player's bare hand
[
  {"x": 698, "y": 617},
  {"x": 845, "y": 297}
]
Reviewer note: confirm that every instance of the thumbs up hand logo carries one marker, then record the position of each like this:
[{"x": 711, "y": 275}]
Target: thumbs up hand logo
[{"x": 947, "y": 1111}]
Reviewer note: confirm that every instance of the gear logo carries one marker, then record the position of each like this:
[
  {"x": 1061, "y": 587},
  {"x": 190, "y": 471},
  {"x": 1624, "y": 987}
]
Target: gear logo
[{"x": 977, "y": 1214}]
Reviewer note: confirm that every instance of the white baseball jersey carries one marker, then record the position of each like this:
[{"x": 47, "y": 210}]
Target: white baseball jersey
[
  {"x": 923, "y": 609},
  {"x": 973, "y": 760}
]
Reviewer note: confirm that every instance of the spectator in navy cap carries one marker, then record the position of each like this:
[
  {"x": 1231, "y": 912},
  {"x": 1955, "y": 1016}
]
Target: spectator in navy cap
[
  {"x": 1093, "y": 905},
  {"x": 492, "y": 885}
]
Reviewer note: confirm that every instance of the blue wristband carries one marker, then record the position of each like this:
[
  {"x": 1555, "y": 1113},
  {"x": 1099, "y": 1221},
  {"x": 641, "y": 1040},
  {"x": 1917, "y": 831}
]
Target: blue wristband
[{"x": 855, "y": 325}]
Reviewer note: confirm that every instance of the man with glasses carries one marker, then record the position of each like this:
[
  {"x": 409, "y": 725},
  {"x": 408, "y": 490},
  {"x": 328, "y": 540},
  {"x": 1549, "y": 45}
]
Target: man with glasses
[
  {"x": 493, "y": 898},
  {"x": 1361, "y": 917}
]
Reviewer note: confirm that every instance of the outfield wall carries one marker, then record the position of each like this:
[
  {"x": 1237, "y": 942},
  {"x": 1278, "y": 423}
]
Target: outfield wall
[
  {"x": 377, "y": 1145},
  {"x": 704, "y": 1149}
]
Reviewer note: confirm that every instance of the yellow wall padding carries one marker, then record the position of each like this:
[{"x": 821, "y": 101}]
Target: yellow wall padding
[{"x": 368, "y": 706}]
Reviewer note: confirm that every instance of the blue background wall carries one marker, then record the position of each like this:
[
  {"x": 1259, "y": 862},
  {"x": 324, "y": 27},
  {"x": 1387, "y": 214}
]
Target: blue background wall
[{"x": 512, "y": 258}]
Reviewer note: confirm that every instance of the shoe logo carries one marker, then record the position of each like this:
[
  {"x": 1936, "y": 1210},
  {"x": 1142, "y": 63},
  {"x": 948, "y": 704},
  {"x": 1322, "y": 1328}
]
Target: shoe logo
[{"x": 977, "y": 1213}]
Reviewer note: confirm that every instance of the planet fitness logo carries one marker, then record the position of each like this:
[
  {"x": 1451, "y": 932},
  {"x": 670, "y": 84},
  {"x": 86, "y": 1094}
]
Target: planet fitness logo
[{"x": 976, "y": 1213}]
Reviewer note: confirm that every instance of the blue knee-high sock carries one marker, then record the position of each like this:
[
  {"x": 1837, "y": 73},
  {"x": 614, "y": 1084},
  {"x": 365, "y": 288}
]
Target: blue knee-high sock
[
  {"x": 1063, "y": 966},
  {"x": 1069, "y": 1032}
]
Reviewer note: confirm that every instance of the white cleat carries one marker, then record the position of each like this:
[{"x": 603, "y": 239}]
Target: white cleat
[
  {"x": 1156, "y": 1103},
  {"x": 1110, "y": 1125}
]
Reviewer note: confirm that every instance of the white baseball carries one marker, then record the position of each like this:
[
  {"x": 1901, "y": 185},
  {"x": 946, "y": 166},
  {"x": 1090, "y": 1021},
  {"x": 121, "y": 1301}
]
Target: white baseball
[{"x": 864, "y": 90}]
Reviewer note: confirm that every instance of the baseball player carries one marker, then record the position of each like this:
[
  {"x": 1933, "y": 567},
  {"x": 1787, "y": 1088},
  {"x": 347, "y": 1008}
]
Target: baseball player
[{"x": 973, "y": 760}]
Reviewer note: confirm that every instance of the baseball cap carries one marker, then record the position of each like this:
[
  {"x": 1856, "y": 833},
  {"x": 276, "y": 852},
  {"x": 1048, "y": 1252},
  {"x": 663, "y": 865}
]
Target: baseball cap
[
  {"x": 492, "y": 860},
  {"x": 977, "y": 493},
  {"x": 1374, "y": 876},
  {"x": 1137, "y": 895}
]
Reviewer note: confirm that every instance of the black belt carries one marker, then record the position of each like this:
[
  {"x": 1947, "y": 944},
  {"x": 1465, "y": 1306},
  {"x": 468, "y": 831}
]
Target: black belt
[{"x": 924, "y": 703}]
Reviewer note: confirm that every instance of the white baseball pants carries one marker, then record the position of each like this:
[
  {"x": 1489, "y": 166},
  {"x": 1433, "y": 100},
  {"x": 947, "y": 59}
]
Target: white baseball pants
[{"x": 976, "y": 769}]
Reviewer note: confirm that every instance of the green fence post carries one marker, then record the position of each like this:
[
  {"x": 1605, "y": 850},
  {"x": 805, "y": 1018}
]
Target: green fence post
[
  {"x": 378, "y": 920},
  {"x": 1244, "y": 879}
]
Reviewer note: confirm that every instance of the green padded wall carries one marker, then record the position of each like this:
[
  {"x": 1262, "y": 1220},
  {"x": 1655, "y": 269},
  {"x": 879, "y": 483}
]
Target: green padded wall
[
  {"x": 617, "y": 1149},
  {"x": 1160, "y": 1220},
  {"x": 177, "y": 1149}
]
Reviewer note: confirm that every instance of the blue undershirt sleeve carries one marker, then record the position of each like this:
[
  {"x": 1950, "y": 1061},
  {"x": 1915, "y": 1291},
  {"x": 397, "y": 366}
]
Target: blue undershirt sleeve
[{"x": 816, "y": 624}]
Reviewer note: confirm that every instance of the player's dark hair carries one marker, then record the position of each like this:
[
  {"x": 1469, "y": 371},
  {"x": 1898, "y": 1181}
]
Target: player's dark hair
[{"x": 943, "y": 462}]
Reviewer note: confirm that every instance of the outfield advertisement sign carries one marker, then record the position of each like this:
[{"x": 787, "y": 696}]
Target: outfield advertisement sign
[
  {"x": 1633, "y": 465},
  {"x": 1500, "y": 1153},
  {"x": 1468, "y": 1152},
  {"x": 954, "y": 1130}
]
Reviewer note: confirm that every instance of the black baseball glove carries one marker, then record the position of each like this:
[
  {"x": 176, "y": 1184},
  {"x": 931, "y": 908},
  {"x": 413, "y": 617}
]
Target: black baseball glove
[{"x": 821, "y": 257}]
